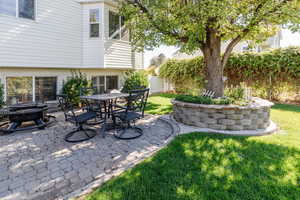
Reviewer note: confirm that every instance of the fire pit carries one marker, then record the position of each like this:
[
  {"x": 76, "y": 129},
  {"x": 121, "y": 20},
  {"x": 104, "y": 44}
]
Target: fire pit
[{"x": 20, "y": 113}]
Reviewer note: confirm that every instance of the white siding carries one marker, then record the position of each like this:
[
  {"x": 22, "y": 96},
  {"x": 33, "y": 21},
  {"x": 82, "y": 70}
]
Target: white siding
[
  {"x": 138, "y": 60},
  {"x": 52, "y": 40},
  {"x": 93, "y": 48},
  {"x": 118, "y": 54},
  {"x": 59, "y": 38}
]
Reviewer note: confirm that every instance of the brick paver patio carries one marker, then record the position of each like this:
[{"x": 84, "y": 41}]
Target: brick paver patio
[{"x": 41, "y": 165}]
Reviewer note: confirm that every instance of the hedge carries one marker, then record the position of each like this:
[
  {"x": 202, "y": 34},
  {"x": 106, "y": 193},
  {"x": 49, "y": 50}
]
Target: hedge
[
  {"x": 270, "y": 74},
  {"x": 185, "y": 74}
]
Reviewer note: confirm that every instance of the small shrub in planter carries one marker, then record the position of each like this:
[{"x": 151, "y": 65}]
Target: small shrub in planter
[
  {"x": 135, "y": 80},
  {"x": 233, "y": 95},
  {"x": 203, "y": 100},
  {"x": 72, "y": 87}
]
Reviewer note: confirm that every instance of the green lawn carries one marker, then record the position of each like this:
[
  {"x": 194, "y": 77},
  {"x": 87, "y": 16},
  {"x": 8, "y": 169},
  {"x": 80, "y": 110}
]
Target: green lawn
[
  {"x": 160, "y": 104},
  {"x": 200, "y": 166}
]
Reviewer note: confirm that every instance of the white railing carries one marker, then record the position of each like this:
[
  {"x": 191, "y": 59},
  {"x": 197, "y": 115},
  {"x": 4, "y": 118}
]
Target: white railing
[{"x": 120, "y": 32}]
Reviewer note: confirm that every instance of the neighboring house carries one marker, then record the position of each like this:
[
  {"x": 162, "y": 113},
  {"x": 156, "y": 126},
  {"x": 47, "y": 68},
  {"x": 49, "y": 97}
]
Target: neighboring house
[
  {"x": 270, "y": 43},
  {"x": 41, "y": 41}
]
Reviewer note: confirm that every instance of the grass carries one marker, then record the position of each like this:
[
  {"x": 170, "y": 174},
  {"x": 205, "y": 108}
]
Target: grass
[
  {"x": 200, "y": 166},
  {"x": 160, "y": 104}
]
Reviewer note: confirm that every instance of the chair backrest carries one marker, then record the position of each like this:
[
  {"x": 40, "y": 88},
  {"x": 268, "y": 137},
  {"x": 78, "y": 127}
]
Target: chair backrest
[
  {"x": 137, "y": 100},
  {"x": 66, "y": 106}
]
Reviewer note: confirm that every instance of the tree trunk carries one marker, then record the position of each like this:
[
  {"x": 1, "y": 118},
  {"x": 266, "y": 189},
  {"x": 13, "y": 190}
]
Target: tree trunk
[{"x": 213, "y": 64}]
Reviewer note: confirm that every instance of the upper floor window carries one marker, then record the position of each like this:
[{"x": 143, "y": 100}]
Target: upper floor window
[
  {"x": 27, "y": 9},
  {"x": 18, "y": 8},
  {"x": 116, "y": 23},
  {"x": 94, "y": 23}
]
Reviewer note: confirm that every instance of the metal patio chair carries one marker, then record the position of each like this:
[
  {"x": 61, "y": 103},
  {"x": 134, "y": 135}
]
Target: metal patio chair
[
  {"x": 79, "y": 119},
  {"x": 134, "y": 110}
]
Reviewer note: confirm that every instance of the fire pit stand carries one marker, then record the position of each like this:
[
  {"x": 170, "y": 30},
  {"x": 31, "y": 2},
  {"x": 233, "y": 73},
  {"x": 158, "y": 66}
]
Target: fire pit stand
[{"x": 19, "y": 113}]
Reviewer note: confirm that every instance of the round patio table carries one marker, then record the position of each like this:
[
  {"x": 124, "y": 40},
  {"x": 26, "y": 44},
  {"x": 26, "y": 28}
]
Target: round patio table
[{"x": 108, "y": 101}]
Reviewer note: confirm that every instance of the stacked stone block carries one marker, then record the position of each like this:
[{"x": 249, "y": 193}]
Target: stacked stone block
[{"x": 254, "y": 116}]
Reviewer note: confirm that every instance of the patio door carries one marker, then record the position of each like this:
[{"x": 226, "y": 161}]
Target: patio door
[
  {"x": 45, "y": 88},
  {"x": 19, "y": 89}
]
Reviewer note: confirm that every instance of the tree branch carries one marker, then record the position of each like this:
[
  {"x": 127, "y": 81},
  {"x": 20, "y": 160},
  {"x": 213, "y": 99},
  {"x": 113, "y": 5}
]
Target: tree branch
[
  {"x": 254, "y": 22},
  {"x": 173, "y": 34}
]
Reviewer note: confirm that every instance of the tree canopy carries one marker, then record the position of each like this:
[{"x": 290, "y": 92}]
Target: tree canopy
[
  {"x": 185, "y": 22},
  {"x": 205, "y": 24}
]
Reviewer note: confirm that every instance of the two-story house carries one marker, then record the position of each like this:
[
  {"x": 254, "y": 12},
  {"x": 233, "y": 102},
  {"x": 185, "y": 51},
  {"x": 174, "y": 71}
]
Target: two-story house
[{"x": 42, "y": 41}]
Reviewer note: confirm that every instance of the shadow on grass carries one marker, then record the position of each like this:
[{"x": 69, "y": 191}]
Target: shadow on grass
[
  {"x": 207, "y": 167},
  {"x": 286, "y": 107}
]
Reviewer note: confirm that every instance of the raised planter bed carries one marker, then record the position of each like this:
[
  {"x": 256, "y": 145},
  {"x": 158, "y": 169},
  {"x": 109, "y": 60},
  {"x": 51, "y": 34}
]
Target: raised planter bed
[{"x": 254, "y": 116}]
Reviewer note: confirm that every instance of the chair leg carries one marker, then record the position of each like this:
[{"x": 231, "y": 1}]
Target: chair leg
[
  {"x": 78, "y": 129},
  {"x": 123, "y": 130}
]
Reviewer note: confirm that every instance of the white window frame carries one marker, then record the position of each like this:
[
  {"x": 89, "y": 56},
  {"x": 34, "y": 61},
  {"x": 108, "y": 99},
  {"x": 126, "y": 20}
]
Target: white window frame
[
  {"x": 33, "y": 84},
  {"x": 17, "y": 11},
  {"x": 120, "y": 26},
  {"x": 91, "y": 23}
]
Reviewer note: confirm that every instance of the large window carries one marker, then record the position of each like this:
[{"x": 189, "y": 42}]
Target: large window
[
  {"x": 111, "y": 83},
  {"x": 105, "y": 83},
  {"x": 45, "y": 88},
  {"x": 116, "y": 23},
  {"x": 18, "y": 8},
  {"x": 99, "y": 83},
  {"x": 94, "y": 23},
  {"x": 18, "y": 89}
]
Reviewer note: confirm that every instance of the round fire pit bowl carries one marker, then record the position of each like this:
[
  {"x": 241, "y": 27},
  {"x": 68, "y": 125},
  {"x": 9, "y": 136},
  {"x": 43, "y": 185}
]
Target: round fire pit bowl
[
  {"x": 254, "y": 116},
  {"x": 19, "y": 114}
]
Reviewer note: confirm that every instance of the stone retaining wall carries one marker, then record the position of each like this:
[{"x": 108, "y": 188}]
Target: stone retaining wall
[{"x": 254, "y": 116}]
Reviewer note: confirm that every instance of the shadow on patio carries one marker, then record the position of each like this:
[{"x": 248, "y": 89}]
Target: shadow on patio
[{"x": 41, "y": 165}]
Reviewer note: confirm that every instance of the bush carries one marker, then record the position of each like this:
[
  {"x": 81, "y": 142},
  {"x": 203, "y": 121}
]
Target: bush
[
  {"x": 270, "y": 74},
  {"x": 186, "y": 75},
  {"x": 1, "y": 95},
  {"x": 203, "y": 100},
  {"x": 135, "y": 80},
  {"x": 72, "y": 87},
  {"x": 235, "y": 93}
]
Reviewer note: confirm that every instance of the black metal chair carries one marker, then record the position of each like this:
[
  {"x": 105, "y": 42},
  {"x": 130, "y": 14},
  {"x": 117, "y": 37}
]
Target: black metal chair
[
  {"x": 134, "y": 110},
  {"x": 78, "y": 119},
  {"x": 90, "y": 105}
]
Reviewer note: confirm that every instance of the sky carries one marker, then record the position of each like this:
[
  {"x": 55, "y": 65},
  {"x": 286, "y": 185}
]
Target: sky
[{"x": 288, "y": 39}]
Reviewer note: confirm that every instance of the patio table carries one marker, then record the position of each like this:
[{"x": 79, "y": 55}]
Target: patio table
[{"x": 107, "y": 100}]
